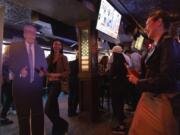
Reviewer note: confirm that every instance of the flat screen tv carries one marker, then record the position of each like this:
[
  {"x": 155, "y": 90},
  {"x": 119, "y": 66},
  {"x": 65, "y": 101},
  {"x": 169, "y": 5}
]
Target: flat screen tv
[{"x": 108, "y": 20}]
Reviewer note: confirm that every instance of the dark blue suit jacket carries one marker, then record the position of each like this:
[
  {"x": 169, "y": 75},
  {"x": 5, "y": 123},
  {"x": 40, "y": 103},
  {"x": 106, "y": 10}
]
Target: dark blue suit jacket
[{"x": 17, "y": 58}]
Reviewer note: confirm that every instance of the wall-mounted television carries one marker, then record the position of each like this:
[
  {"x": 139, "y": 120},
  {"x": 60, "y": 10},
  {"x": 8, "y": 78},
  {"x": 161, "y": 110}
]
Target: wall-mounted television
[{"x": 108, "y": 20}]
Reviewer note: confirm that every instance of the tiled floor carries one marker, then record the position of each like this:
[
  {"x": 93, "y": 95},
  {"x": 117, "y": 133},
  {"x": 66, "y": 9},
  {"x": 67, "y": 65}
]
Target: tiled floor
[{"x": 77, "y": 126}]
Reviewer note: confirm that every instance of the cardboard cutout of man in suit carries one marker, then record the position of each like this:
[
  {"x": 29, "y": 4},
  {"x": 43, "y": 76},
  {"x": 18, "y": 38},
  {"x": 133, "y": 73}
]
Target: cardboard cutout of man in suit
[{"x": 23, "y": 58}]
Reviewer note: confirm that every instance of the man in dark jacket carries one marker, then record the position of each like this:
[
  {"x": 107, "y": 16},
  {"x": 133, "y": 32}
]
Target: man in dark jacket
[{"x": 74, "y": 88}]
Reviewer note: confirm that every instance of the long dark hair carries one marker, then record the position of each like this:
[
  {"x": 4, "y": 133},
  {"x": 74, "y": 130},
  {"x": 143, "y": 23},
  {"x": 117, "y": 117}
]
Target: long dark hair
[
  {"x": 51, "y": 65},
  {"x": 52, "y": 42},
  {"x": 118, "y": 68},
  {"x": 104, "y": 61}
]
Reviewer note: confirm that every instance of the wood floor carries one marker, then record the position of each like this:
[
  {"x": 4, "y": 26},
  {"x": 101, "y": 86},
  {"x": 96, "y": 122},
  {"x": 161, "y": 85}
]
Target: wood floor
[{"x": 77, "y": 126}]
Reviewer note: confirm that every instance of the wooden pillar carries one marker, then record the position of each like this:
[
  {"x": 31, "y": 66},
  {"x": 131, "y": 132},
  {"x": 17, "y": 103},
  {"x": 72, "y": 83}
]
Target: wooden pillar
[
  {"x": 1, "y": 41},
  {"x": 88, "y": 64}
]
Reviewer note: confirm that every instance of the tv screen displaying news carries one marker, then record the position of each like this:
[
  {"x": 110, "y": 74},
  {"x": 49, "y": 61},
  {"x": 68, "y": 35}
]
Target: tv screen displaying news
[{"x": 108, "y": 19}]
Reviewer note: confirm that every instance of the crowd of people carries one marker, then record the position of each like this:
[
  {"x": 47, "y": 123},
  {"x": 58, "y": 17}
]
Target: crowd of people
[
  {"x": 146, "y": 83},
  {"x": 114, "y": 84}
]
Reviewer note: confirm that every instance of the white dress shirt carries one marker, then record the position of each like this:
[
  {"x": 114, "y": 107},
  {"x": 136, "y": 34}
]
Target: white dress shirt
[{"x": 33, "y": 57}]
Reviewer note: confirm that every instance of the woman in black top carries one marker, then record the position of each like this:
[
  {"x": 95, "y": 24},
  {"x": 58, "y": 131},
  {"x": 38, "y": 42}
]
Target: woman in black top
[
  {"x": 57, "y": 69},
  {"x": 119, "y": 83}
]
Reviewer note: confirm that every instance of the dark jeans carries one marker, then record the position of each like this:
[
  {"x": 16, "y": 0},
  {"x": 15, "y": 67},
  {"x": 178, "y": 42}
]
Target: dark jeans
[
  {"x": 29, "y": 107},
  {"x": 103, "y": 89},
  {"x": 73, "y": 96},
  {"x": 118, "y": 106},
  {"x": 134, "y": 96},
  {"x": 7, "y": 98},
  {"x": 60, "y": 126},
  {"x": 118, "y": 95}
]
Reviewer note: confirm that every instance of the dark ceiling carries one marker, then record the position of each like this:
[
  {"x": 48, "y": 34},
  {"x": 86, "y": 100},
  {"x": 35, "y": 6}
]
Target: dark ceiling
[
  {"x": 70, "y": 11},
  {"x": 67, "y": 11},
  {"x": 61, "y": 14},
  {"x": 138, "y": 10}
]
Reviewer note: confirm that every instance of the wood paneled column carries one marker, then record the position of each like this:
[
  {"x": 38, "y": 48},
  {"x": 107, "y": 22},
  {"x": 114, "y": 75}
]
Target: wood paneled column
[
  {"x": 88, "y": 65},
  {"x": 1, "y": 41}
]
